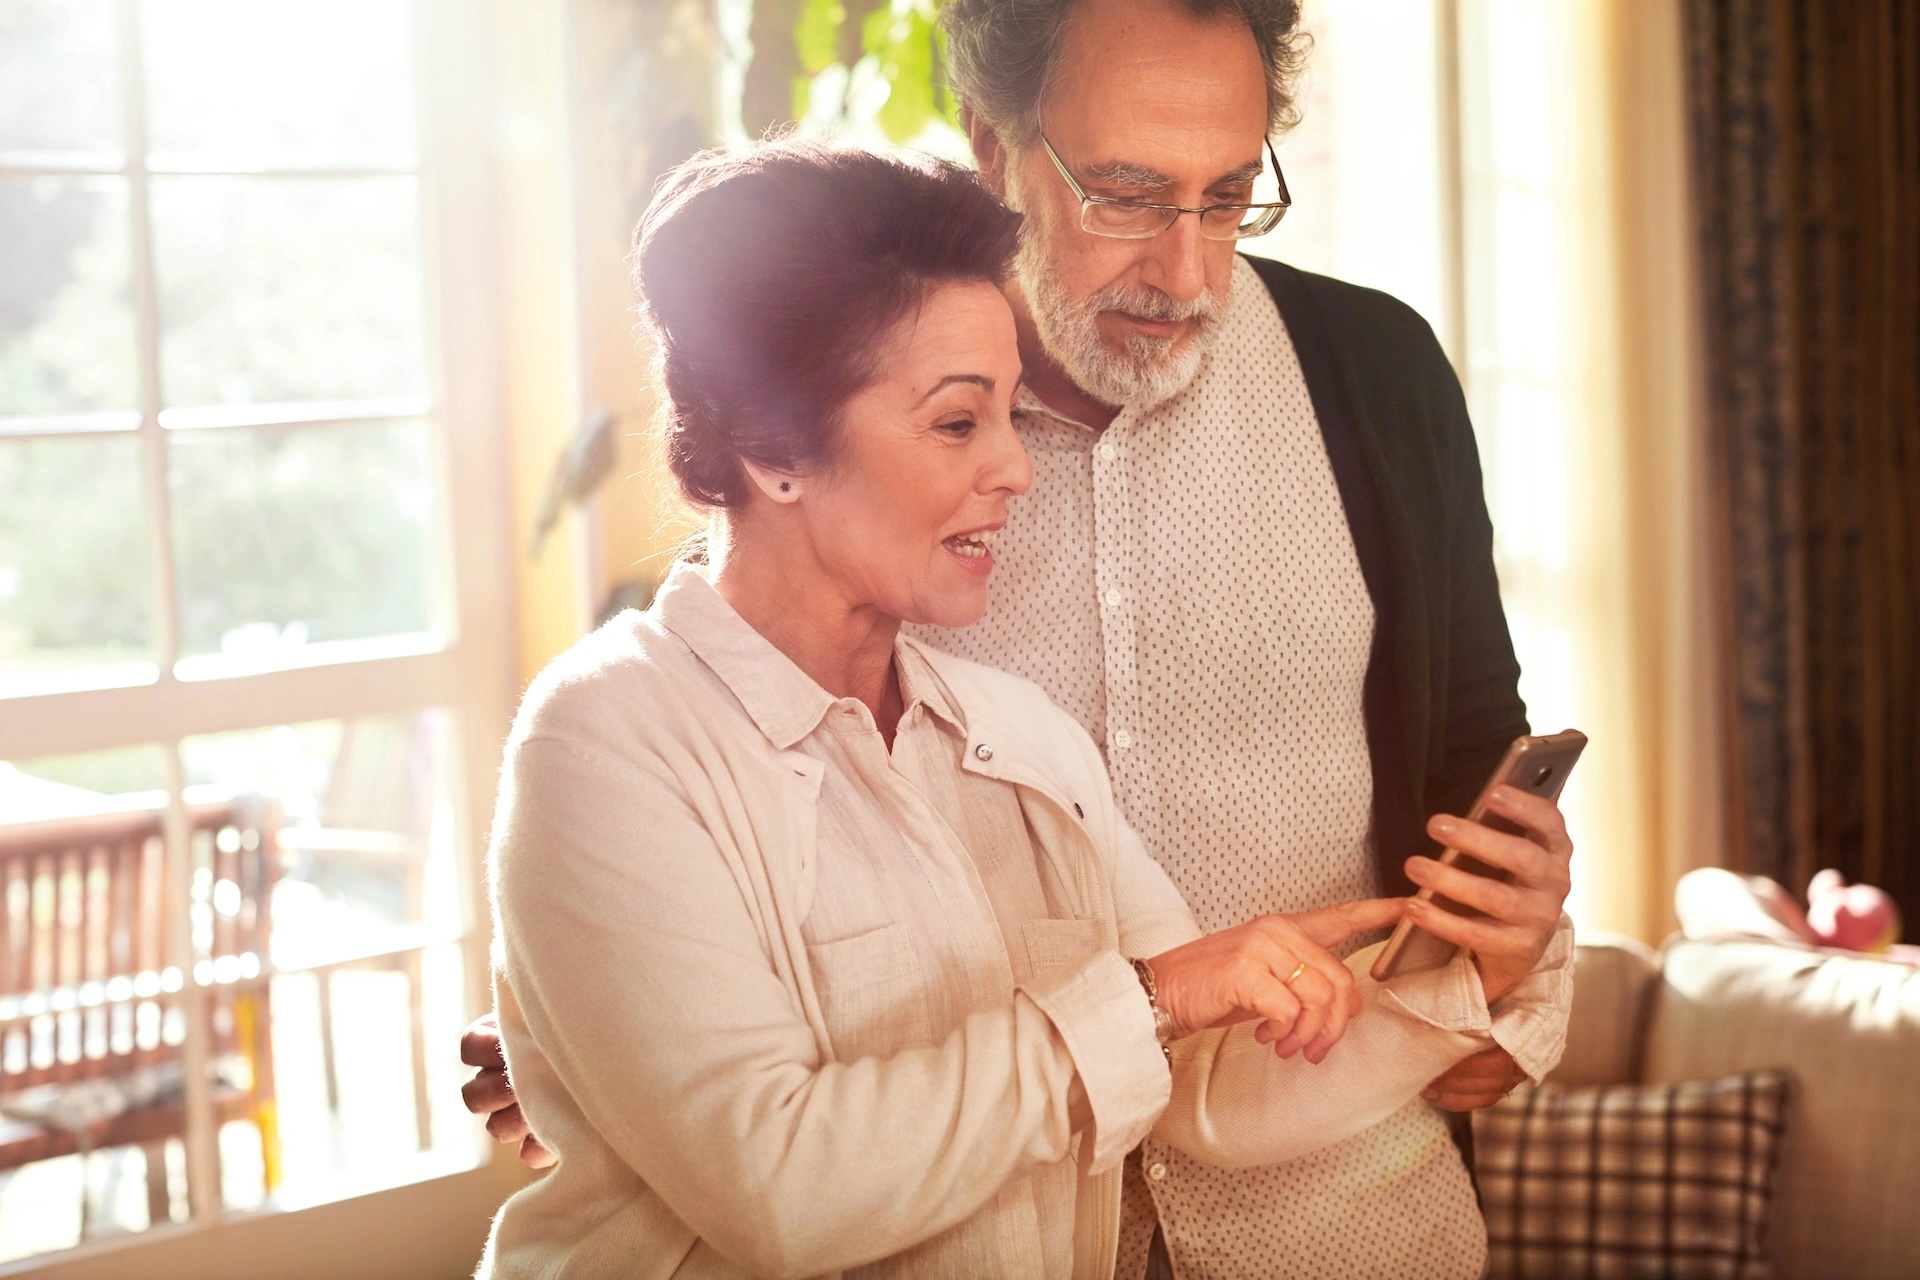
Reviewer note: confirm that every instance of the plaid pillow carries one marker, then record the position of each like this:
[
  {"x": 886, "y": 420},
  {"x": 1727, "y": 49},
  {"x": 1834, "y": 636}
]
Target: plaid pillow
[{"x": 1631, "y": 1180}]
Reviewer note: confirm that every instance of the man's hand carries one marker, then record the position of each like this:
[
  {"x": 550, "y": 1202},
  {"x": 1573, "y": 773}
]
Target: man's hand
[
  {"x": 1522, "y": 912},
  {"x": 489, "y": 1093},
  {"x": 1475, "y": 1082},
  {"x": 1276, "y": 969}
]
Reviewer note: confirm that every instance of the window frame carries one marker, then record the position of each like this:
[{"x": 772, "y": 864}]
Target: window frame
[{"x": 470, "y": 672}]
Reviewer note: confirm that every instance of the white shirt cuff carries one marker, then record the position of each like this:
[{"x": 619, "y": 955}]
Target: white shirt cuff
[{"x": 1102, "y": 1015}]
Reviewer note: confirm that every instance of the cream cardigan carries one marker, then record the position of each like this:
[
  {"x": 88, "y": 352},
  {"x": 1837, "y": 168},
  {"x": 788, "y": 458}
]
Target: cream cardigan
[{"x": 651, "y": 868}]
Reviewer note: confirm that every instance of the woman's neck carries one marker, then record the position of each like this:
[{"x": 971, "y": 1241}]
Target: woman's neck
[{"x": 777, "y": 586}]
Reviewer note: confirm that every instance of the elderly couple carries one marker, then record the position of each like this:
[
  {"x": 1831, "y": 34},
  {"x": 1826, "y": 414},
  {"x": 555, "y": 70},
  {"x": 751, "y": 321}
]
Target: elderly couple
[{"x": 853, "y": 923}]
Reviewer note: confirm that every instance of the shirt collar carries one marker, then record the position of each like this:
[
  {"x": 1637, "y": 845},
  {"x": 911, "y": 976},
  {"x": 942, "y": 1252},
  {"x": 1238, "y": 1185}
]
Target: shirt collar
[
  {"x": 1025, "y": 401},
  {"x": 921, "y": 684},
  {"x": 784, "y": 702}
]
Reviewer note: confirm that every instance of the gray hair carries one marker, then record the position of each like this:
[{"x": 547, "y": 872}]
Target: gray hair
[{"x": 1001, "y": 54}]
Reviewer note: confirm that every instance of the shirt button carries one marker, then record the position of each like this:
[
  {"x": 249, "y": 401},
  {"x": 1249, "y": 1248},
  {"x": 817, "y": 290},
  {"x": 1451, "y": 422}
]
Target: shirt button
[
  {"x": 1122, "y": 739},
  {"x": 1106, "y": 451},
  {"x": 1113, "y": 597},
  {"x": 1157, "y": 1171},
  {"x": 983, "y": 752}
]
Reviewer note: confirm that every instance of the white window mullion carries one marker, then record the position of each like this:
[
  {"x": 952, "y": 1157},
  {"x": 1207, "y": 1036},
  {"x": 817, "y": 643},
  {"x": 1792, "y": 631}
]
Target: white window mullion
[
  {"x": 203, "y": 1164},
  {"x": 169, "y": 709},
  {"x": 460, "y": 262},
  {"x": 146, "y": 306}
]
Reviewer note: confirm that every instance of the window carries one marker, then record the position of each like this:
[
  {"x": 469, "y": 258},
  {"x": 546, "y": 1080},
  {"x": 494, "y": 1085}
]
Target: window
[
  {"x": 1448, "y": 154},
  {"x": 1369, "y": 163},
  {"x": 252, "y": 685}
]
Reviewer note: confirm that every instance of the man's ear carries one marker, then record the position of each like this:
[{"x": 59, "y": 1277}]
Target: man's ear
[{"x": 989, "y": 156}]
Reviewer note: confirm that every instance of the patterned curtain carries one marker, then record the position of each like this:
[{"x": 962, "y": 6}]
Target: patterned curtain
[{"x": 1806, "y": 143}]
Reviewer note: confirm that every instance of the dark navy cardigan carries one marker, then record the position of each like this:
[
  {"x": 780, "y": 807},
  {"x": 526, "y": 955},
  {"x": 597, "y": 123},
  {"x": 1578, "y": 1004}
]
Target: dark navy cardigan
[{"x": 1442, "y": 690}]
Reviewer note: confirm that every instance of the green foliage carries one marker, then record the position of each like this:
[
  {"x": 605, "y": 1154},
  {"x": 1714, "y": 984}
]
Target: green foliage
[
  {"x": 900, "y": 39},
  {"x": 816, "y": 37},
  {"x": 895, "y": 85}
]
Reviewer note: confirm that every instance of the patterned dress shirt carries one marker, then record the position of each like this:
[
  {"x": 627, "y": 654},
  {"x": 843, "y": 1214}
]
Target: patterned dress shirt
[{"x": 1186, "y": 585}]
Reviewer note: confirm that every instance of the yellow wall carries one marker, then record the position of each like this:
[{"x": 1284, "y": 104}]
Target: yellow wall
[
  {"x": 640, "y": 520},
  {"x": 571, "y": 188},
  {"x": 540, "y": 335}
]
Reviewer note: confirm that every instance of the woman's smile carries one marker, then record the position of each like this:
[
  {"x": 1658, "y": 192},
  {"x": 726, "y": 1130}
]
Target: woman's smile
[{"x": 973, "y": 549}]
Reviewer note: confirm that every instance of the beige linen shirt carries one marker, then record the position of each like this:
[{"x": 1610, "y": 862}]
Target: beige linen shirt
[
  {"x": 1185, "y": 584},
  {"x": 787, "y": 1003}
]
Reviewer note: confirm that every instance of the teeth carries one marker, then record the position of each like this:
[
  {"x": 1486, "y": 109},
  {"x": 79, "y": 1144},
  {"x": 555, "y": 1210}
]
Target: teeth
[{"x": 971, "y": 545}]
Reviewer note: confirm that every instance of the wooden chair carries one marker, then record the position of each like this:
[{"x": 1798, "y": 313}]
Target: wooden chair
[{"x": 92, "y": 1014}]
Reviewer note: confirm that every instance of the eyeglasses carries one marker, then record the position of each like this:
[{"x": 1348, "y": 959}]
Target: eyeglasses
[{"x": 1139, "y": 220}]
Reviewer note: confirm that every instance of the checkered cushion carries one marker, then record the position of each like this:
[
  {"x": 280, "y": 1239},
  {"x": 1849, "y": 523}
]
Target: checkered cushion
[{"x": 1632, "y": 1180}]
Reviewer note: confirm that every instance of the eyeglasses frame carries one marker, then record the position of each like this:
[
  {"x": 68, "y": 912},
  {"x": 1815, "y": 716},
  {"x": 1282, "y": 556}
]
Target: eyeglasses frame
[{"x": 1280, "y": 206}]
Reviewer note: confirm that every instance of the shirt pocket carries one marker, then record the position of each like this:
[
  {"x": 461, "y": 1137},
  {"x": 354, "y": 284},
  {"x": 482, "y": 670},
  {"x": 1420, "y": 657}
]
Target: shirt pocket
[
  {"x": 872, "y": 992},
  {"x": 1057, "y": 945}
]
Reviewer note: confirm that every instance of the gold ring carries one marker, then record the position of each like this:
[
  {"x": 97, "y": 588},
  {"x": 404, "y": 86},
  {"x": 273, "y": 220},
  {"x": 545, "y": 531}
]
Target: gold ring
[{"x": 1297, "y": 971}]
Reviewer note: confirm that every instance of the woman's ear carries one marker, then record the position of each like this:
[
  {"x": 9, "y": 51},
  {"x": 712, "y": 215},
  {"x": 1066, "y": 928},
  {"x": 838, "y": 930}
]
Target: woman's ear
[{"x": 780, "y": 488}]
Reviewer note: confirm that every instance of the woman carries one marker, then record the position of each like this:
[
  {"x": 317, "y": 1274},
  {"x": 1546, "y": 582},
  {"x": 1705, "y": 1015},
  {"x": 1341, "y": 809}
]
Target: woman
[{"x": 815, "y": 940}]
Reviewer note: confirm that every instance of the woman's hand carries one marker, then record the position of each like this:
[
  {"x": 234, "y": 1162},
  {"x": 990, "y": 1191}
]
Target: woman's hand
[
  {"x": 1254, "y": 971},
  {"x": 489, "y": 1093}
]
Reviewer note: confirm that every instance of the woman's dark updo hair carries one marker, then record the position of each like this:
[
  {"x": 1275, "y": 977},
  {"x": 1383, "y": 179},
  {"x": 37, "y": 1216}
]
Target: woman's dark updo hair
[{"x": 770, "y": 278}]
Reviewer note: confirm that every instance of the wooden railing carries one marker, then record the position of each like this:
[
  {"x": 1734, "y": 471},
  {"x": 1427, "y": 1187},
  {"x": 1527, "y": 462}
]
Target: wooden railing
[{"x": 92, "y": 984}]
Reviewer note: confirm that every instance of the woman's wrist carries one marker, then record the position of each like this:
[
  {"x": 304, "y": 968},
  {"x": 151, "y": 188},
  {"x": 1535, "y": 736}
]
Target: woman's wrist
[{"x": 1163, "y": 1028}]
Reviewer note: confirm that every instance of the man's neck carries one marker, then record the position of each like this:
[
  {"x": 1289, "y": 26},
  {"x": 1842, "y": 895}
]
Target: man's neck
[{"x": 1046, "y": 379}]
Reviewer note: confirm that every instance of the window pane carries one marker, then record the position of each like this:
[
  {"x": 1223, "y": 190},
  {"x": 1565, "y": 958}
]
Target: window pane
[
  {"x": 291, "y": 536},
  {"x": 362, "y": 820},
  {"x": 250, "y": 83},
  {"x": 357, "y": 1060},
  {"x": 1364, "y": 165},
  {"x": 75, "y": 600},
  {"x": 281, "y": 290},
  {"x": 59, "y": 77},
  {"x": 95, "y": 782},
  {"x": 66, "y": 325},
  {"x": 357, "y": 816}
]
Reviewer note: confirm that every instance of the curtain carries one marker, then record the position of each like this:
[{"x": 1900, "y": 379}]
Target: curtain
[{"x": 1806, "y": 124}]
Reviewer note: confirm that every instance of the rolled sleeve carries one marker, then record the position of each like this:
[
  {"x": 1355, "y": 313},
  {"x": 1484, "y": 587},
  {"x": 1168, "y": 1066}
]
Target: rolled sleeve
[
  {"x": 1102, "y": 1016},
  {"x": 1529, "y": 1022},
  {"x": 1449, "y": 997}
]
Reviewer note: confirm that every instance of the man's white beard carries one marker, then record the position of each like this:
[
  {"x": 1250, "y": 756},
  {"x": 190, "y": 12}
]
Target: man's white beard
[{"x": 1144, "y": 371}]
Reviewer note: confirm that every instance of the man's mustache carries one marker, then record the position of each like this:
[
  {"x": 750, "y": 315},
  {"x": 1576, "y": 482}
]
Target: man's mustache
[{"x": 1152, "y": 304}]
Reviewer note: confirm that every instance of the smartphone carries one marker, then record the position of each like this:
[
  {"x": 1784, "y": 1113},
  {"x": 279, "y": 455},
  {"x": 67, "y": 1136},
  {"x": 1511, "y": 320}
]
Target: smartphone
[{"x": 1536, "y": 765}]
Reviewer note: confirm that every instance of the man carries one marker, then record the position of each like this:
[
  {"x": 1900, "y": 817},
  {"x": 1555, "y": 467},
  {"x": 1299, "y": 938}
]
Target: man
[{"x": 1256, "y": 564}]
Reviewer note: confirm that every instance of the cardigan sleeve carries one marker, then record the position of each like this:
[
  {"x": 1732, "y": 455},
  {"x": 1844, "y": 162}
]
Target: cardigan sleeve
[
  {"x": 650, "y": 999},
  {"x": 1484, "y": 712}
]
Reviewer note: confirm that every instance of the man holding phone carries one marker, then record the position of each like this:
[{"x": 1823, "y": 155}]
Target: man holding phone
[{"x": 1256, "y": 564}]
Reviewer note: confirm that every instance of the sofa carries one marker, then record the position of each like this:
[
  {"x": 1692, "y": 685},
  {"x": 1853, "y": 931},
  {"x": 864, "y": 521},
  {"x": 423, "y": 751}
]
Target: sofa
[{"x": 1845, "y": 1026}]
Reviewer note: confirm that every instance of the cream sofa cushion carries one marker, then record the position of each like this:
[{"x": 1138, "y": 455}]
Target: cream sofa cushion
[
  {"x": 1613, "y": 980},
  {"x": 1848, "y": 1027}
]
